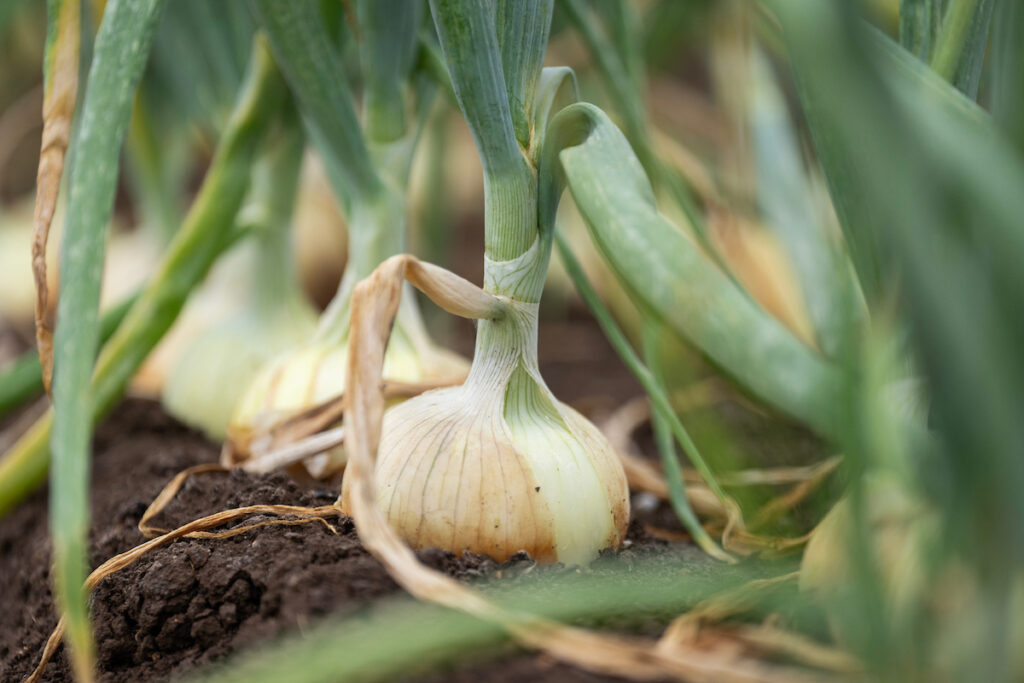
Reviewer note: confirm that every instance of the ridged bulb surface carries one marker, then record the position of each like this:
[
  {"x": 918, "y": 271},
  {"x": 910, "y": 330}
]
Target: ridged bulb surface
[{"x": 498, "y": 465}]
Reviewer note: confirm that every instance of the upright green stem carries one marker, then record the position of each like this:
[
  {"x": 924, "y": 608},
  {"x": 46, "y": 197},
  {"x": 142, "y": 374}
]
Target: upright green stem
[
  {"x": 952, "y": 37},
  {"x": 470, "y": 45},
  {"x": 274, "y": 185},
  {"x": 387, "y": 49},
  {"x": 665, "y": 442},
  {"x": 122, "y": 48}
]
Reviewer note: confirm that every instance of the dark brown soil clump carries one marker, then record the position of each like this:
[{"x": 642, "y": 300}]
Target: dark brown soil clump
[{"x": 195, "y": 601}]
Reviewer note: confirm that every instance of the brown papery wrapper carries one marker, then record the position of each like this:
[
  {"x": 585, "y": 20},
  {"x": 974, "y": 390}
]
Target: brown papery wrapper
[{"x": 58, "y": 107}]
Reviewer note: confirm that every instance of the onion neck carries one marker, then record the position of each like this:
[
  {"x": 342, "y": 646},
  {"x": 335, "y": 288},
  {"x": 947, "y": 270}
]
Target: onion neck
[
  {"x": 276, "y": 288},
  {"x": 376, "y": 232},
  {"x": 510, "y": 342},
  {"x": 504, "y": 346},
  {"x": 275, "y": 283},
  {"x": 515, "y": 267}
]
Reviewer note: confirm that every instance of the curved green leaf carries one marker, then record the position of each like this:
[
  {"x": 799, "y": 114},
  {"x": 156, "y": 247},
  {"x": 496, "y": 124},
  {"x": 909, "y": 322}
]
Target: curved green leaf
[{"x": 670, "y": 278}]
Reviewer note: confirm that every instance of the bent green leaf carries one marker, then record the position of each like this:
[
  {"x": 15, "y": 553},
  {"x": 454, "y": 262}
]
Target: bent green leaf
[{"x": 670, "y": 278}]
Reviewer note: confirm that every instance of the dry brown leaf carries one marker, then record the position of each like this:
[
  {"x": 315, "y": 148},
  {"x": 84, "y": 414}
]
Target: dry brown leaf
[
  {"x": 767, "y": 638},
  {"x": 58, "y": 108},
  {"x": 258, "y": 447}
]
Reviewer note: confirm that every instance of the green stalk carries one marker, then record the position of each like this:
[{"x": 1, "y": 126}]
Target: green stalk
[
  {"x": 470, "y": 45},
  {"x": 387, "y": 51},
  {"x": 315, "y": 75},
  {"x": 522, "y": 28},
  {"x": 368, "y": 171},
  {"x": 663, "y": 439},
  {"x": 122, "y": 49},
  {"x": 156, "y": 166},
  {"x": 274, "y": 185},
  {"x": 920, "y": 21},
  {"x": 207, "y": 231},
  {"x": 952, "y": 38},
  {"x": 22, "y": 380}
]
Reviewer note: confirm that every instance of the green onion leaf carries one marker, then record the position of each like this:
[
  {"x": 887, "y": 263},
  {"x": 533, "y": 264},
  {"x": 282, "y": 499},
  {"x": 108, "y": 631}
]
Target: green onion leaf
[{"x": 121, "y": 52}]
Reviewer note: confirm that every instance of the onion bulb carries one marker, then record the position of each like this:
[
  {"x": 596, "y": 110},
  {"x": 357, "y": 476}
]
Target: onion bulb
[
  {"x": 498, "y": 464},
  {"x": 314, "y": 371}
]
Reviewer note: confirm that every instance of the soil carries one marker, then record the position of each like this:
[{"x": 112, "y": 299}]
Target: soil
[{"x": 196, "y": 601}]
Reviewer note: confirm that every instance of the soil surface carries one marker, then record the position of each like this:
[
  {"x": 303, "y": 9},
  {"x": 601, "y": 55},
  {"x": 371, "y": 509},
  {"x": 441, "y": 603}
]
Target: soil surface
[{"x": 196, "y": 601}]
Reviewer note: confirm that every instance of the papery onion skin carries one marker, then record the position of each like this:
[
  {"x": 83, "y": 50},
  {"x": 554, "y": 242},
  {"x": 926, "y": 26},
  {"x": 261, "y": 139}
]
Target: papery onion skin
[{"x": 314, "y": 373}]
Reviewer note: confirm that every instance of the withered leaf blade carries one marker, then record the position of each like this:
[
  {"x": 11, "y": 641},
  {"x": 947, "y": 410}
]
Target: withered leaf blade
[{"x": 60, "y": 90}]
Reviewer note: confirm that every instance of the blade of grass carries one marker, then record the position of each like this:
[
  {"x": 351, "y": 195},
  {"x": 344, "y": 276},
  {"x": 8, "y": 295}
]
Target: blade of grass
[
  {"x": 664, "y": 440},
  {"x": 121, "y": 51},
  {"x": 22, "y": 380},
  {"x": 207, "y": 231},
  {"x": 659, "y": 401}
]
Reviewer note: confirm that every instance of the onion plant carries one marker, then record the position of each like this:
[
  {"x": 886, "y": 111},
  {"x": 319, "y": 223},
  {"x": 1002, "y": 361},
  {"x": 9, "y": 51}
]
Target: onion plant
[
  {"x": 925, "y": 283},
  {"x": 369, "y": 167},
  {"x": 272, "y": 314}
]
